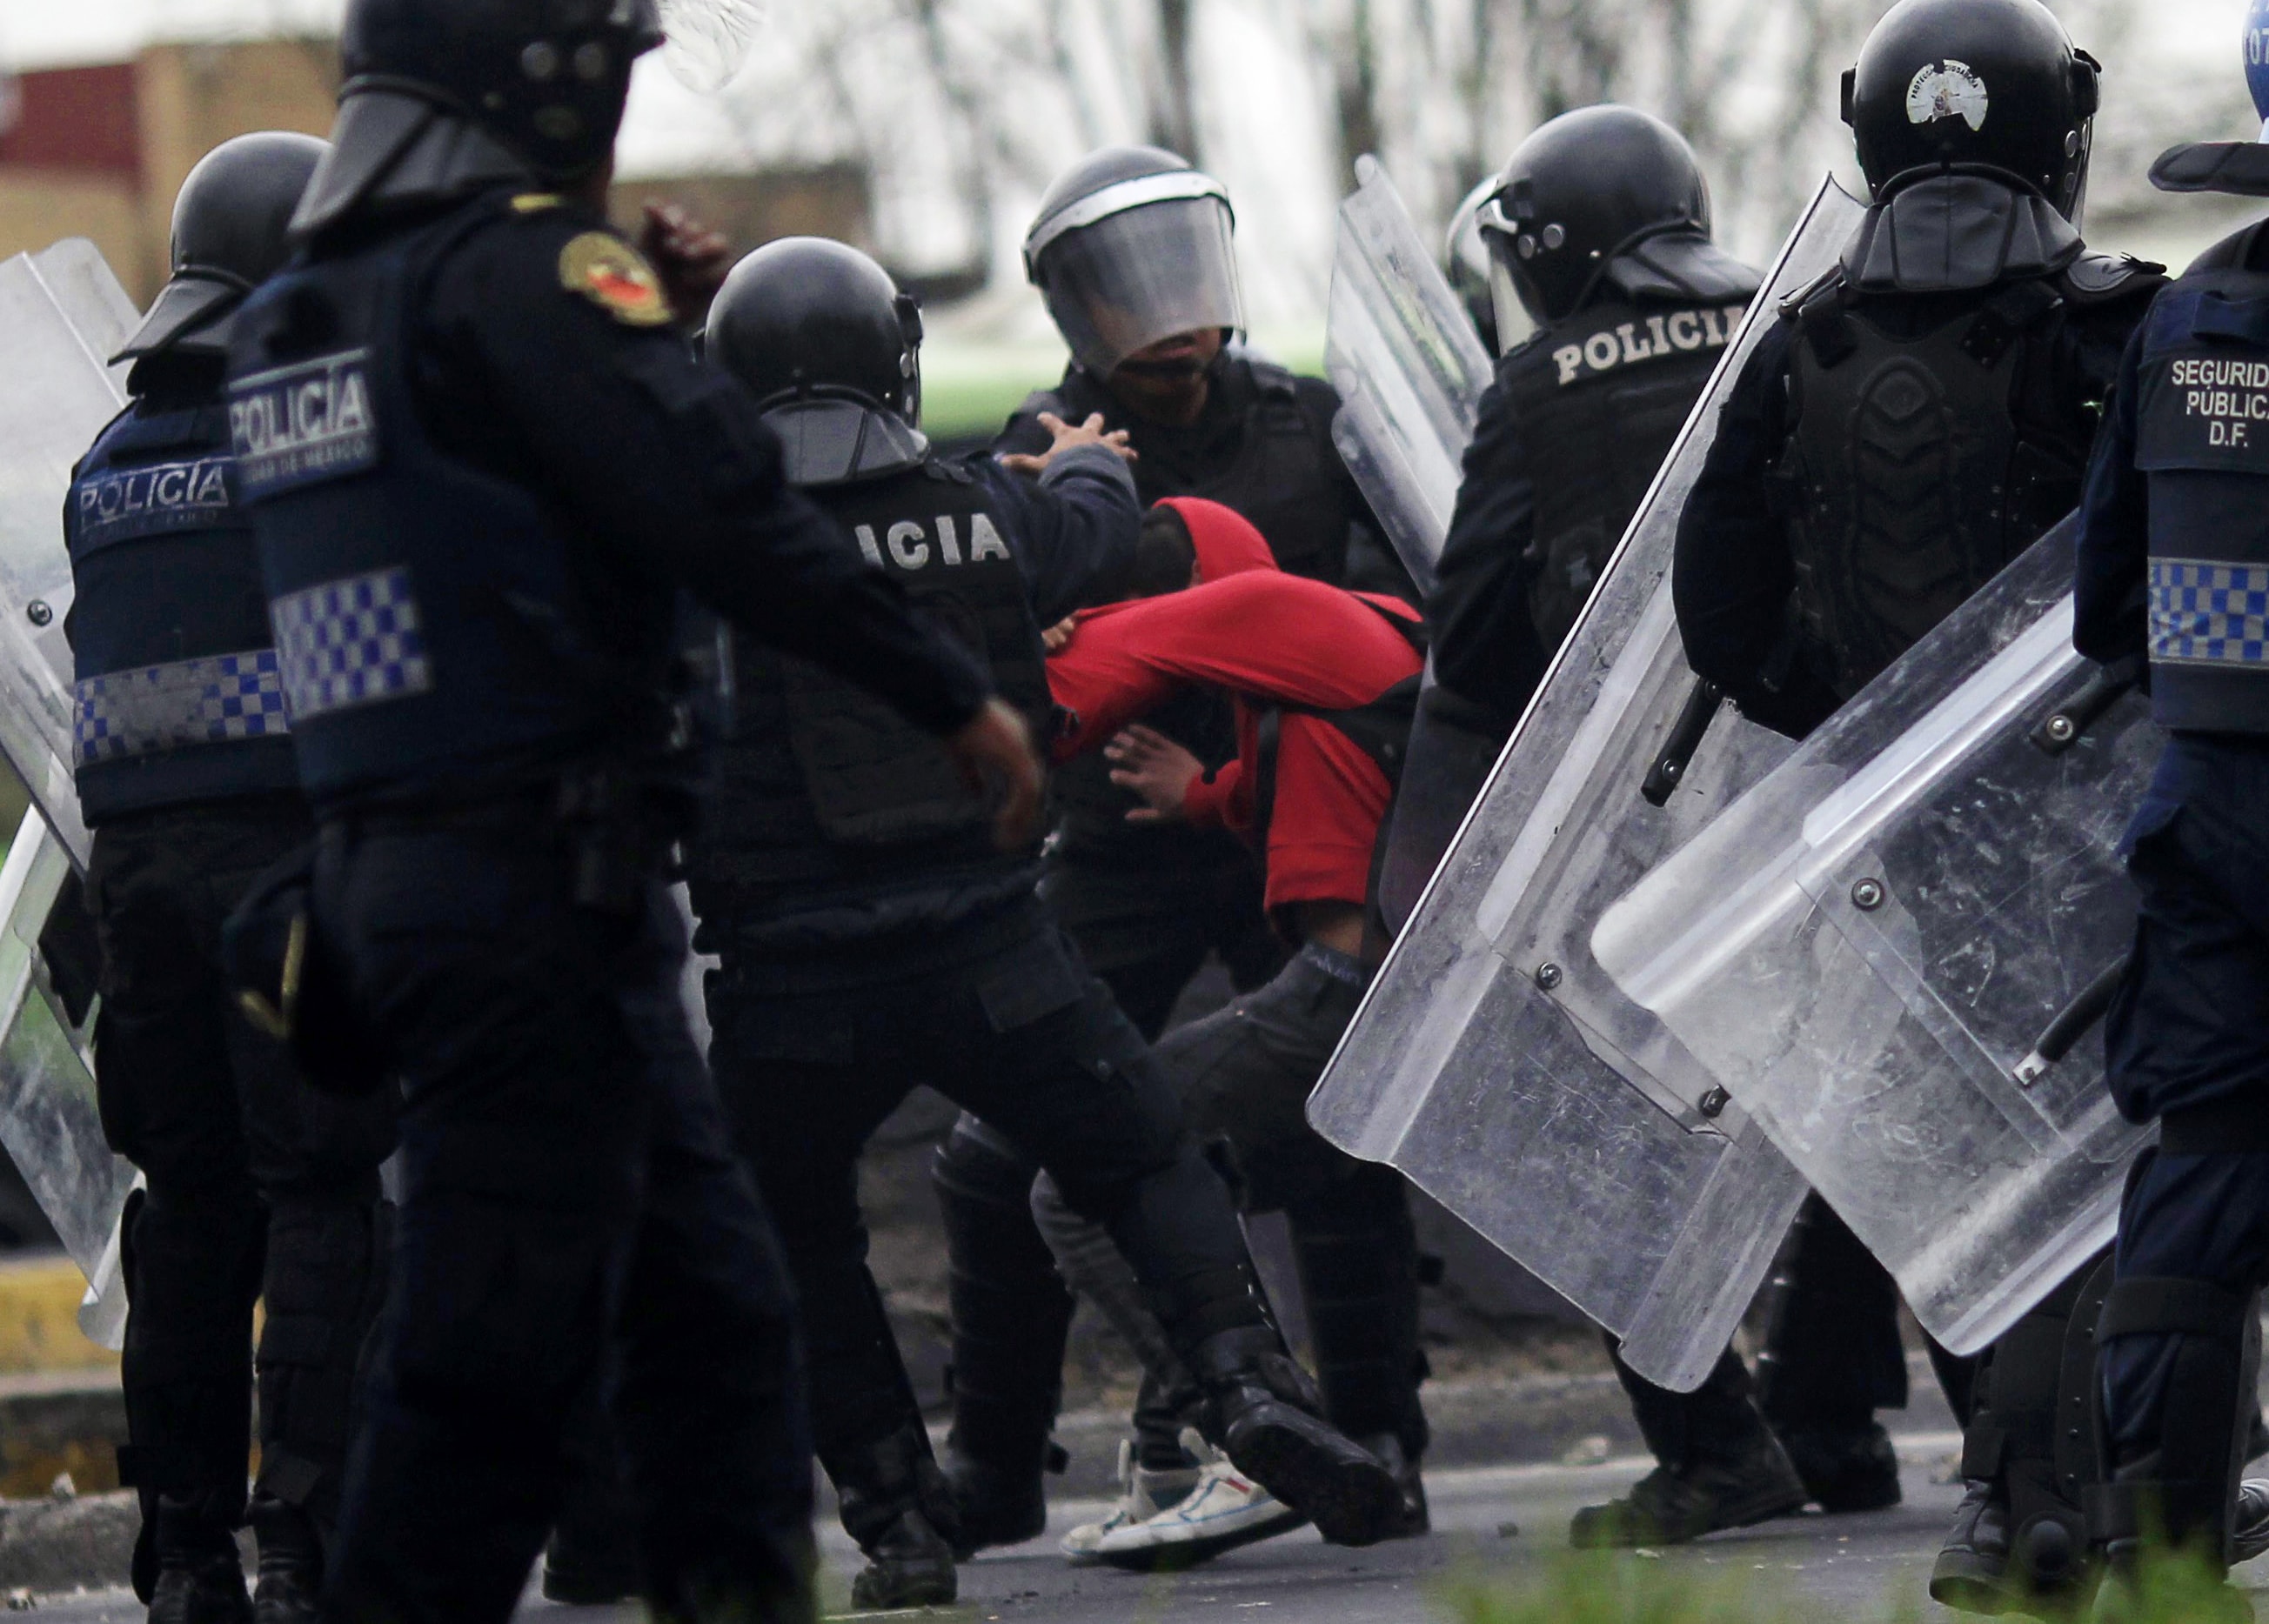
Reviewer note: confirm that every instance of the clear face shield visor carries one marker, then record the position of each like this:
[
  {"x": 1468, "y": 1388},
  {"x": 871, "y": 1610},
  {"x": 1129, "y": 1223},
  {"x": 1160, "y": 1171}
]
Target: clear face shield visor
[
  {"x": 1137, "y": 262},
  {"x": 1518, "y": 304}
]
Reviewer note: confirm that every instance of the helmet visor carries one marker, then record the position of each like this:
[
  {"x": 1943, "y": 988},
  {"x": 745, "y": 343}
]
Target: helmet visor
[{"x": 1145, "y": 274}]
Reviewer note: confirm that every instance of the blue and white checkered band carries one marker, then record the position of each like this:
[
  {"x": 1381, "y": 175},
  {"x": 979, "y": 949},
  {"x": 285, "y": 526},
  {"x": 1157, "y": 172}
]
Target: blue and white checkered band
[
  {"x": 127, "y": 505},
  {"x": 2204, "y": 613},
  {"x": 302, "y": 425},
  {"x": 351, "y": 642},
  {"x": 216, "y": 700}
]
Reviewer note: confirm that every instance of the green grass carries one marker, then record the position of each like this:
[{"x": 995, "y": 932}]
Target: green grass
[{"x": 1588, "y": 1587}]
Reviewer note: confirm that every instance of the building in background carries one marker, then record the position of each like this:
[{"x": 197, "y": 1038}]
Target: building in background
[{"x": 98, "y": 151}]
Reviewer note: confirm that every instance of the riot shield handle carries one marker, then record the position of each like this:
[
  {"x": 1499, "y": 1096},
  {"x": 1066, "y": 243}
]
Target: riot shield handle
[
  {"x": 2071, "y": 1022},
  {"x": 2063, "y": 726},
  {"x": 1677, "y": 755}
]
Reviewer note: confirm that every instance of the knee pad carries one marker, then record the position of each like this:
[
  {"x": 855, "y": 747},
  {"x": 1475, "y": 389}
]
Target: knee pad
[{"x": 2176, "y": 1476}]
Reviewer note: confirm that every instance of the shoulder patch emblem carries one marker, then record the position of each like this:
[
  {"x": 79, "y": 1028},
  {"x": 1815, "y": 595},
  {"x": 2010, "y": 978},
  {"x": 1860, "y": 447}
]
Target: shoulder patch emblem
[{"x": 615, "y": 277}]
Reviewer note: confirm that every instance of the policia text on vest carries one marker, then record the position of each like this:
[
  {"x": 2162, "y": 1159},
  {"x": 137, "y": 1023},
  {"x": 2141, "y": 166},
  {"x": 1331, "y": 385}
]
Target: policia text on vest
[{"x": 1677, "y": 332}]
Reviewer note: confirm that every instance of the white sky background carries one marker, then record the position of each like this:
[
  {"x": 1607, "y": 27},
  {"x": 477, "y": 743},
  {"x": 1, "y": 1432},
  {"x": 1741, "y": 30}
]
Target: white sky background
[{"x": 1263, "y": 113}]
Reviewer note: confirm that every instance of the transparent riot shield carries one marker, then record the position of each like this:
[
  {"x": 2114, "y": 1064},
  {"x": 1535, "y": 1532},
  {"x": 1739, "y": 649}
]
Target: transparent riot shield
[
  {"x": 1409, "y": 369},
  {"x": 1882, "y": 949},
  {"x": 62, "y": 315},
  {"x": 1495, "y": 1062}
]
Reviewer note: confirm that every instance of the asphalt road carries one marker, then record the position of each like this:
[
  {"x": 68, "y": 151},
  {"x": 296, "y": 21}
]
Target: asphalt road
[{"x": 1862, "y": 1568}]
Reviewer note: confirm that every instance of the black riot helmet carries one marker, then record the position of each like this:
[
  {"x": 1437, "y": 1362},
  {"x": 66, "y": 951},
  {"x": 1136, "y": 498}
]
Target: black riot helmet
[
  {"x": 1603, "y": 194},
  {"x": 441, "y": 95},
  {"x": 231, "y": 232},
  {"x": 1975, "y": 84},
  {"x": 822, "y": 336},
  {"x": 1133, "y": 245}
]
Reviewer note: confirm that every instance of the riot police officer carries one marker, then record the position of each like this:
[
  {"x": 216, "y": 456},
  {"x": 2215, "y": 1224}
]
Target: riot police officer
[
  {"x": 481, "y": 461},
  {"x": 1598, "y": 236},
  {"x": 872, "y": 939},
  {"x": 254, "y": 1184},
  {"x": 1915, "y": 420},
  {"x": 1132, "y": 251},
  {"x": 2174, "y": 570}
]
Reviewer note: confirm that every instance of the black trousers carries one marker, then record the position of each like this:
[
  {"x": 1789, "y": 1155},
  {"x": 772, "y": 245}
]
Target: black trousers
[
  {"x": 1245, "y": 1074},
  {"x": 1000, "y": 1016},
  {"x": 256, "y": 1185},
  {"x": 569, "y": 1183},
  {"x": 1146, "y": 931}
]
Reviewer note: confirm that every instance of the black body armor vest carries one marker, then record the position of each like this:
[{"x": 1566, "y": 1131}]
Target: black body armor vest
[
  {"x": 439, "y": 631},
  {"x": 178, "y": 696},
  {"x": 2202, "y": 440},
  {"x": 1910, "y": 477},
  {"x": 1280, "y": 471},
  {"x": 1600, "y": 398},
  {"x": 829, "y": 796}
]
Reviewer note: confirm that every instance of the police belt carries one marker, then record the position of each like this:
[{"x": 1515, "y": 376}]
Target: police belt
[{"x": 2235, "y": 1127}]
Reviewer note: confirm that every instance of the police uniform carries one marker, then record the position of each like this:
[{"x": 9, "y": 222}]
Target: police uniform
[
  {"x": 1144, "y": 903},
  {"x": 254, "y": 1185},
  {"x": 481, "y": 464},
  {"x": 1897, "y": 437},
  {"x": 2173, "y": 565},
  {"x": 873, "y": 939}
]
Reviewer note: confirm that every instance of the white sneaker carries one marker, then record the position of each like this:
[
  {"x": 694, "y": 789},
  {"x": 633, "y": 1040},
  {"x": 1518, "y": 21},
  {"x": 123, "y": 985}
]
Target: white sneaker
[
  {"x": 1142, "y": 1494},
  {"x": 1224, "y": 1510}
]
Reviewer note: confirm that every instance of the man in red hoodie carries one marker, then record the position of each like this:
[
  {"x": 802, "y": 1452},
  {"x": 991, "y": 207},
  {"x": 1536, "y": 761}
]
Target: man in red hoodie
[{"x": 1322, "y": 680}]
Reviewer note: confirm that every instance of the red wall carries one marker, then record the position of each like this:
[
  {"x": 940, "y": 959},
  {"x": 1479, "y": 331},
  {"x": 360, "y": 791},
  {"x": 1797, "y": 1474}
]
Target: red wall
[{"x": 77, "y": 118}]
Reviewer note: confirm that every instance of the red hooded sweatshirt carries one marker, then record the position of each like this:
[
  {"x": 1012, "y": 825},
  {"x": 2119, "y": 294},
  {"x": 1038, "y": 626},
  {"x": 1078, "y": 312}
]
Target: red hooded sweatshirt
[{"x": 1267, "y": 638}]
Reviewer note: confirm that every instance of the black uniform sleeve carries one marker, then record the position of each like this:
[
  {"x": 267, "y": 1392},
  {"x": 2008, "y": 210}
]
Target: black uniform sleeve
[
  {"x": 1486, "y": 649},
  {"x": 663, "y": 465},
  {"x": 1733, "y": 572},
  {"x": 1075, "y": 527},
  {"x": 2108, "y": 601}
]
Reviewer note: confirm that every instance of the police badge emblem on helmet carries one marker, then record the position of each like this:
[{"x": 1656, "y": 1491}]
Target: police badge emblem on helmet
[{"x": 1947, "y": 89}]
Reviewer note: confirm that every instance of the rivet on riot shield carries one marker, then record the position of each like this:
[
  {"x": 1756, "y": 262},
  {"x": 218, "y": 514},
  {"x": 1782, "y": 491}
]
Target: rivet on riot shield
[
  {"x": 1713, "y": 1104},
  {"x": 1547, "y": 976},
  {"x": 1867, "y": 895},
  {"x": 2060, "y": 729},
  {"x": 39, "y": 612}
]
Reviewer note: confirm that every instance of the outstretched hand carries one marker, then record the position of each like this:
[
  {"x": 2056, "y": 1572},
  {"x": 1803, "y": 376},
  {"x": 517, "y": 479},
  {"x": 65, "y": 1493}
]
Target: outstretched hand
[
  {"x": 1156, "y": 768},
  {"x": 1088, "y": 434}
]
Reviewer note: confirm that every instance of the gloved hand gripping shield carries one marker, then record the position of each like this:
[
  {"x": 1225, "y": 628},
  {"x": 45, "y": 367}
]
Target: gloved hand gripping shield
[
  {"x": 1494, "y": 1062},
  {"x": 1409, "y": 369},
  {"x": 1887, "y": 951},
  {"x": 62, "y": 315}
]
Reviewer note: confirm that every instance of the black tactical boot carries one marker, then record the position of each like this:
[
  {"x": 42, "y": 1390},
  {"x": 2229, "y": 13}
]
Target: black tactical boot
[
  {"x": 909, "y": 1564},
  {"x": 290, "y": 1562},
  {"x": 2029, "y": 1459},
  {"x": 1414, "y": 1519},
  {"x": 1262, "y": 1412},
  {"x": 200, "y": 1574},
  {"x": 593, "y": 1558},
  {"x": 995, "y": 1504},
  {"x": 1842, "y": 1470},
  {"x": 898, "y": 1505},
  {"x": 1674, "y": 1504}
]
